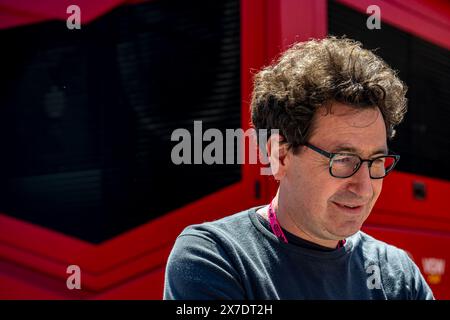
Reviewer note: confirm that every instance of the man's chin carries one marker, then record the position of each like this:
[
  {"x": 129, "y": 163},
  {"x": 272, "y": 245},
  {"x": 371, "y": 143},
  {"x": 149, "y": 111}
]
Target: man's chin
[{"x": 346, "y": 231}]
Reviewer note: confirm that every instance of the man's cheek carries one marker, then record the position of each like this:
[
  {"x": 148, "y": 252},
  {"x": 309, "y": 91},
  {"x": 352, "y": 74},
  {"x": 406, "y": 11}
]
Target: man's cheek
[{"x": 377, "y": 192}]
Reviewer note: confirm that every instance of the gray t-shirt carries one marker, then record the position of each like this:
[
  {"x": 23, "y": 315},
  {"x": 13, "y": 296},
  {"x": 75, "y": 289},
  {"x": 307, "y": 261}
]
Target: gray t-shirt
[{"x": 238, "y": 257}]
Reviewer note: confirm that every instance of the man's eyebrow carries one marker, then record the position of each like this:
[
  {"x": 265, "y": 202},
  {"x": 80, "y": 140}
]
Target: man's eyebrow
[{"x": 350, "y": 149}]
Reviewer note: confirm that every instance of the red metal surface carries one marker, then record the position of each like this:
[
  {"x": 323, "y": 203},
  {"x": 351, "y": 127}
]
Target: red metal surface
[
  {"x": 397, "y": 206},
  {"x": 422, "y": 246},
  {"x": 427, "y": 19},
  {"x": 137, "y": 253}
]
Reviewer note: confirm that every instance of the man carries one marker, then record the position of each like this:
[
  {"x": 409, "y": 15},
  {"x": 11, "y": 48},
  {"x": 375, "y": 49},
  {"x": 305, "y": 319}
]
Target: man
[{"x": 335, "y": 105}]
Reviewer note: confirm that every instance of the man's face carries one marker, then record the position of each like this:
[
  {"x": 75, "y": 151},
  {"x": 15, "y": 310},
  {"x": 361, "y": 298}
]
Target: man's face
[{"x": 314, "y": 197}]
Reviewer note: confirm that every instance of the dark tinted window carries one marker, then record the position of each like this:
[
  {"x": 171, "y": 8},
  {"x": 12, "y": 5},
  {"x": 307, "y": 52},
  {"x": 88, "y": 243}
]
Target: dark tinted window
[{"x": 86, "y": 115}]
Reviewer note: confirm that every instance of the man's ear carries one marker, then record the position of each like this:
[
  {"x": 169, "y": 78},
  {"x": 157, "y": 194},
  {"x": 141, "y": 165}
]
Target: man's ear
[{"x": 277, "y": 149}]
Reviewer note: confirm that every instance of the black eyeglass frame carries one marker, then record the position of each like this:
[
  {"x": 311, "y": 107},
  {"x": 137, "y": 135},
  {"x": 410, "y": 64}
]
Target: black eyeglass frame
[{"x": 331, "y": 155}]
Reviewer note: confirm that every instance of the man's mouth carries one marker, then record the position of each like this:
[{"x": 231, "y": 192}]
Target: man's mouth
[{"x": 351, "y": 208}]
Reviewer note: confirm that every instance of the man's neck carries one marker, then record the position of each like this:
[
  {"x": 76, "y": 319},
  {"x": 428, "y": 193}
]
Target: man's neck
[{"x": 287, "y": 222}]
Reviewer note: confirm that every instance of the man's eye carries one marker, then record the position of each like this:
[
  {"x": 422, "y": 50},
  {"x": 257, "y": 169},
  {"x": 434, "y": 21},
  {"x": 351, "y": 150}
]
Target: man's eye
[
  {"x": 343, "y": 159},
  {"x": 379, "y": 160}
]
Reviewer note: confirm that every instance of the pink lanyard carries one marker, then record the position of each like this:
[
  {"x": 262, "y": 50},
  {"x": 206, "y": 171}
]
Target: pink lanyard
[
  {"x": 276, "y": 228},
  {"x": 275, "y": 225}
]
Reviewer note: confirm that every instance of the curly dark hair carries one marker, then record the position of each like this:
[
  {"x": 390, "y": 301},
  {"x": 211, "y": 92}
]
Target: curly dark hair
[{"x": 313, "y": 74}]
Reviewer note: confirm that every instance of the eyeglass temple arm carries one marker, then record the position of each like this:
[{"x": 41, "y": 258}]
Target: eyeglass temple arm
[{"x": 322, "y": 152}]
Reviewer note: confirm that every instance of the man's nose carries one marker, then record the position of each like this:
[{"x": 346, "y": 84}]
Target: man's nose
[{"x": 361, "y": 183}]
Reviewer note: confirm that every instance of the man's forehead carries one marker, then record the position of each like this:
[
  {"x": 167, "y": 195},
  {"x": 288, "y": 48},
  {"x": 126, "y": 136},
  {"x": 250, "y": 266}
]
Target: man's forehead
[
  {"x": 346, "y": 115},
  {"x": 347, "y": 129}
]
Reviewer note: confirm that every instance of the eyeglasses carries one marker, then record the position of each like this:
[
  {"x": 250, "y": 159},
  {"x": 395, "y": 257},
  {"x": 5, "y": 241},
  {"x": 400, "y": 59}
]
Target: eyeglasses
[{"x": 344, "y": 165}]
